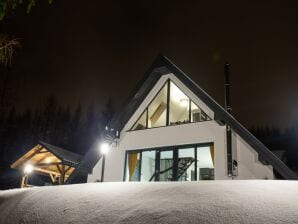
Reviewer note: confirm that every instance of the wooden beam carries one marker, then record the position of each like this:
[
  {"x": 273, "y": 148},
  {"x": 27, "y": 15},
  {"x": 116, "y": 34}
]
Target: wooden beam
[
  {"x": 48, "y": 164},
  {"x": 42, "y": 158},
  {"x": 24, "y": 159},
  {"x": 22, "y": 181},
  {"x": 53, "y": 178},
  {"x": 59, "y": 169},
  {"x": 158, "y": 112},
  {"x": 62, "y": 176},
  {"x": 68, "y": 168},
  {"x": 41, "y": 152},
  {"x": 47, "y": 171}
]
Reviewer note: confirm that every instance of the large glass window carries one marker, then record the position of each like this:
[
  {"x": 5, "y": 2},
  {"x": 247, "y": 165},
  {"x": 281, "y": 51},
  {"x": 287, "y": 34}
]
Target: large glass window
[
  {"x": 186, "y": 164},
  {"x": 179, "y": 106},
  {"x": 141, "y": 123},
  {"x": 166, "y": 166},
  {"x": 191, "y": 163},
  {"x": 197, "y": 114},
  {"x": 148, "y": 165},
  {"x": 170, "y": 107},
  {"x": 157, "y": 110},
  {"x": 133, "y": 166},
  {"x": 205, "y": 163}
]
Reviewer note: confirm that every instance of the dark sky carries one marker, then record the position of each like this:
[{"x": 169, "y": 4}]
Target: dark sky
[{"x": 86, "y": 51}]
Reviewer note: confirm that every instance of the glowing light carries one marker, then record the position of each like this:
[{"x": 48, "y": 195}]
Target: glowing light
[
  {"x": 28, "y": 169},
  {"x": 178, "y": 96},
  {"x": 48, "y": 160},
  {"x": 104, "y": 148},
  {"x": 184, "y": 102}
]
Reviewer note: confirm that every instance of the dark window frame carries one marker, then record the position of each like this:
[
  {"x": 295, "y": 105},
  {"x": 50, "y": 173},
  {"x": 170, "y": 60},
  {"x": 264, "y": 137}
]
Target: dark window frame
[
  {"x": 168, "y": 82},
  {"x": 175, "y": 149}
]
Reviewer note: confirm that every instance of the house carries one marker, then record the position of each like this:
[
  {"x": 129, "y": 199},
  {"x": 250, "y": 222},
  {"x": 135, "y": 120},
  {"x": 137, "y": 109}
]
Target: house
[
  {"x": 47, "y": 160},
  {"x": 170, "y": 129}
]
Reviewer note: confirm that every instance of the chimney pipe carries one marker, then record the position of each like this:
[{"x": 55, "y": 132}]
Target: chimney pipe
[{"x": 228, "y": 108}]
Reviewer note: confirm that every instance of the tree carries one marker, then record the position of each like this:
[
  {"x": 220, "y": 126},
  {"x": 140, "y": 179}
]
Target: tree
[
  {"x": 10, "y": 129},
  {"x": 49, "y": 117},
  {"x": 75, "y": 132},
  {"x": 8, "y": 43},
  {"x": 108, "y": 112}
]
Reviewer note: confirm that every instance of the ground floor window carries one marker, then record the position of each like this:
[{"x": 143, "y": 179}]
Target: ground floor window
[{"x": 172, "y": 163}]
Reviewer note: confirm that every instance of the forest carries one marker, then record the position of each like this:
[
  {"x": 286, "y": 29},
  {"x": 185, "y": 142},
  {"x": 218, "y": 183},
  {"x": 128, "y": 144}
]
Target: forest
[{"x": 73, "y": 129}]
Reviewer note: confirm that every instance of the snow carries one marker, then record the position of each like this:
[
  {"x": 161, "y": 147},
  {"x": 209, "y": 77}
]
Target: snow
[{"x": 247, "y": 201}]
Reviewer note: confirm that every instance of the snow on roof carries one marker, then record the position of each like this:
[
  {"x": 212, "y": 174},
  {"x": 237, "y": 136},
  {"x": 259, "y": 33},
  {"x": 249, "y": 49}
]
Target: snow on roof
[{"x": 249, "y": 201}]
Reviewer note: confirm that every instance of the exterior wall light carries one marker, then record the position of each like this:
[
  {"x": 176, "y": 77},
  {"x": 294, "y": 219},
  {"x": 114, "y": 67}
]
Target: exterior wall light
[{"x": 104, "y": 150}]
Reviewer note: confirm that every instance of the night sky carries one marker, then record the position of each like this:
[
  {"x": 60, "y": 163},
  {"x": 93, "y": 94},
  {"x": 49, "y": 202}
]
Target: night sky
[{"x": 86, "y": 51}]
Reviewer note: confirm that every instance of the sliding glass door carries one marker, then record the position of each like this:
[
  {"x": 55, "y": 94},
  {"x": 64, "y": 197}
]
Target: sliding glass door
[
  {"x": 186, "y": 164},
  {"x": 173, "y": 163},
  {"x": 148, "y": 166},
  {"x": 165, "y": 166}
]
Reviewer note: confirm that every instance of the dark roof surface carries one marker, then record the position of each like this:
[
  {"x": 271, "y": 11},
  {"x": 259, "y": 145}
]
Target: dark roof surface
[
  {"x": 62, "y": 154},
  {"x": 163, "y": 66}
]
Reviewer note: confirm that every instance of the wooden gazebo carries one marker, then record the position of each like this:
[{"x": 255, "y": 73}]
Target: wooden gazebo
[{"x": 49, "y": 160}]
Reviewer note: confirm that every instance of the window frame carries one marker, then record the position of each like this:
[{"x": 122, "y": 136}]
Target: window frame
[
  {"x": 175, "y": 149},
  {"x": 168, "y": 96}
]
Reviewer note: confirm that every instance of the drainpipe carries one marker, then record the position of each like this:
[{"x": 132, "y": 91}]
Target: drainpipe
[{"x": 228, "y": 128}]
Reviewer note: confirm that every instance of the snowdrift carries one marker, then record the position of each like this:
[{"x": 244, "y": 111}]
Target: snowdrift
[{"x": 253, "y": 201}]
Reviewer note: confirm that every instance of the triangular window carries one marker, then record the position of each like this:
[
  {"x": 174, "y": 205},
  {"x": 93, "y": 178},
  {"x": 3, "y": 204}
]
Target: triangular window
[
  {"x": 170, "y": 107},
  {"x": 141, "y": 123}
]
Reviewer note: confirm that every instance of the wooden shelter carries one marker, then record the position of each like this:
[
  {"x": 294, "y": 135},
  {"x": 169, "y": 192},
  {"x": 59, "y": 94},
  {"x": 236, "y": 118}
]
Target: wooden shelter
[{"x": 49, "y": 160}]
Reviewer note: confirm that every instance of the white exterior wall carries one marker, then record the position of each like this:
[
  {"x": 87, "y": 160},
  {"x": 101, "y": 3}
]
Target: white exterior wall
[
  {"x": 249, "y": 167},
  {"x": 193, "y": 133}
]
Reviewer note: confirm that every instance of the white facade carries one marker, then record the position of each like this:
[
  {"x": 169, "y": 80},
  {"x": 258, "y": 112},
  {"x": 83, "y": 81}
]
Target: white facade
[{"x": 248, "y": 166}]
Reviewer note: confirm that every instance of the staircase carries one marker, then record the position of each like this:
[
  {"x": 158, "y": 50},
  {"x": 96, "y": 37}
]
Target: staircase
[{"x": 183, "y": 165}]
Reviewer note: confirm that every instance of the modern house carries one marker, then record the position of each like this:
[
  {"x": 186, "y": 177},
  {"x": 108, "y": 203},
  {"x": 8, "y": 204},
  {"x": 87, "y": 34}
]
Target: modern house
[{"x": 170, "y": 129}]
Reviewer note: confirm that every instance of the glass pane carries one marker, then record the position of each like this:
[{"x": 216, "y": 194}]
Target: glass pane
[
  {"x": 133, "y": 166},
  {"x": 166, "y": 166},
  {"x": 186, "y": 164},
  {"x": 148, "y": 166},
  {"x": 197, "y": 114},
  {"x": 141, "y": 123},
  {"x": 157, "y": 109},
  {"x": 205, "y": 167},
  {"x": 179, "y": 106}
]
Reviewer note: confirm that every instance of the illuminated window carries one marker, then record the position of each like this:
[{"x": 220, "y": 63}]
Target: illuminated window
[
  {"x": 141, "y": 123},
  {"x": 179, "y": 106},
  {"x": 157, "y": 110},
  {"x": 172, "y": 163},
  {"x": 197, "y": 114},
  {"x": 170, "y": 107}
]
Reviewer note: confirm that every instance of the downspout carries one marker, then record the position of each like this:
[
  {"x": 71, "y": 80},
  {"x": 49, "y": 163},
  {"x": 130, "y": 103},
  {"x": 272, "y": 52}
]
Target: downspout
[{"x": 228, "y": 108}]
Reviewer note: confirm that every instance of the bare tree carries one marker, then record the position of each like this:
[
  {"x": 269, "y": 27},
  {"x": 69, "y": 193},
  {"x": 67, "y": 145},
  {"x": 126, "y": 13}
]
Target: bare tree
[{"x": 8, "y": 46}]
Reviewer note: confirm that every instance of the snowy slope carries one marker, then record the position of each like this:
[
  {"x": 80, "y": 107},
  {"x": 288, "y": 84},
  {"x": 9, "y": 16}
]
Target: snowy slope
[{"x": 254, "y": 201}]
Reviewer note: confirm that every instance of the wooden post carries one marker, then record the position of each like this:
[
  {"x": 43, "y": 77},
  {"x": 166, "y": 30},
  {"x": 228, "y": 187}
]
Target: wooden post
[
  {"x": 62, "y": 176},
  {"x": 53, "y": 178},
  {"x": 22, "y": 181}
]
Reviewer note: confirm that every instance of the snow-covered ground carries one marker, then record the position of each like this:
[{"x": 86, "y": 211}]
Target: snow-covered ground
[{"x": 254, "y": 201}]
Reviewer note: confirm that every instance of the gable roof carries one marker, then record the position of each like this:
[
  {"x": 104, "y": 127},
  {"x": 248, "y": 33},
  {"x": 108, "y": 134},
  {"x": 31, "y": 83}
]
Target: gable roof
[
  {"x": 63, "y": 154},
  {"x": 67, "y": 157},
  {"x": 163, "y": 66}
]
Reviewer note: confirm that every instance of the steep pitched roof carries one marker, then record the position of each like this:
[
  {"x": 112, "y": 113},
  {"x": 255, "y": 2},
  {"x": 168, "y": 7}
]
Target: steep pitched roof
[{"x": 163, "y": 66}]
